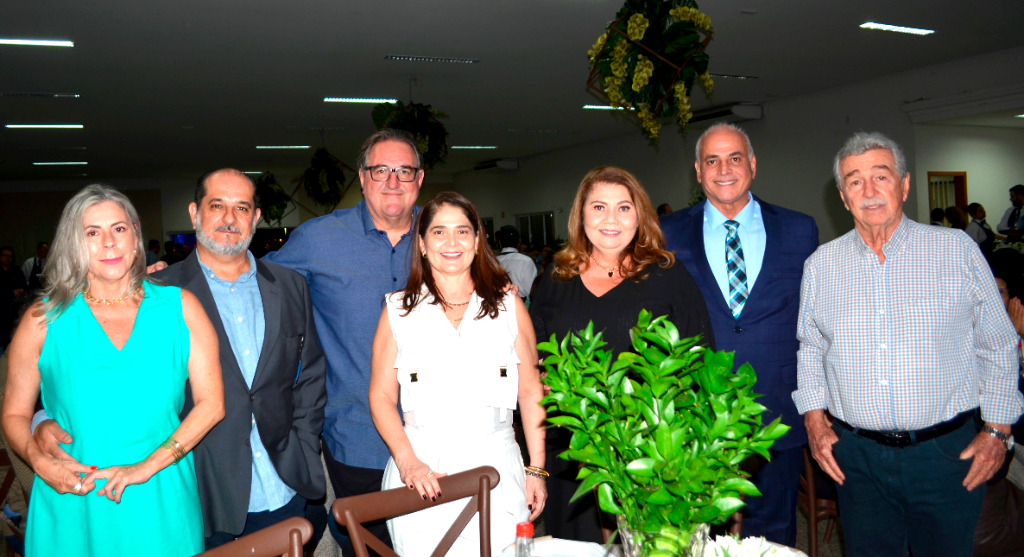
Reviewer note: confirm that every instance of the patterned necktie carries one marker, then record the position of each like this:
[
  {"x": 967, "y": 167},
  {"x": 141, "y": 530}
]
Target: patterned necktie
[
  {"x": 736, "y": 268},
  {"x": 1012, "y": 223}
]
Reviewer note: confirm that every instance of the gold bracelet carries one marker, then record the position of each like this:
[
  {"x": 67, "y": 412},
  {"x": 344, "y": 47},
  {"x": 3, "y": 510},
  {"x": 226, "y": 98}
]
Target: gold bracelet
[
  {"x": 536, "y": 471},
  {"x": 175, "y": 447}
]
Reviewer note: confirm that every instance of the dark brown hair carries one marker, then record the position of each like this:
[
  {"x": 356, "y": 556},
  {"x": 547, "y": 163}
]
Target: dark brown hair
[
  {"x": 647, "y": 246},
  {"x": 490, "y": 281}
]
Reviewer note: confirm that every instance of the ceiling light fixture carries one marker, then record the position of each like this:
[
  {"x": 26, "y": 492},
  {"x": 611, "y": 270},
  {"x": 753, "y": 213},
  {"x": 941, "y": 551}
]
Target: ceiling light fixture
[
  {"x": 733, "y": 76},
  {"x": 42, "y": 95},
  {"x": 602, "y": 107},
  {"x": 45, "y": 126},
  {"x": 252, "y": 172},
  {"x": 896, "y": 28},
  {"x": 282, "y": 146},
  {"x": 403, "y": 58},
  {"x": 474, "y": 147},
  {"x": 358, "y": 100},
  {"x": 1019, "y": 116},
  {"x": 59, "y": 163},
  {"x": 34, "y": 42}
]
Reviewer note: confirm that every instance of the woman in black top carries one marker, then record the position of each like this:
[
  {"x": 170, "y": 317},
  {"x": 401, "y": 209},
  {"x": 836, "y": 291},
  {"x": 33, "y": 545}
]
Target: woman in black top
[{"x": 613, "y": 266}]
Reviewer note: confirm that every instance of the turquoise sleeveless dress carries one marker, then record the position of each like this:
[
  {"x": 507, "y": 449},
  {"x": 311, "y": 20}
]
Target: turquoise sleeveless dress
[{"x": 118, "y": 407}]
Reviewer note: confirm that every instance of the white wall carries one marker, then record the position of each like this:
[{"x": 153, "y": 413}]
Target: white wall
[
  {"x": 794, "y": 142},
  {"x": 993, "y": 159}
]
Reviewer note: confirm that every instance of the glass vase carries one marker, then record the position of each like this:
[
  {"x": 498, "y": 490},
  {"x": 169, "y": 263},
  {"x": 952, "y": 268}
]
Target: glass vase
[{"x": 678, "y": 542}]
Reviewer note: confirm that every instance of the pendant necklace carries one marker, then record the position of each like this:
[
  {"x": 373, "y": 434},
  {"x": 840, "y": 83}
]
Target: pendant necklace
[{"x": 611, "y": 272}]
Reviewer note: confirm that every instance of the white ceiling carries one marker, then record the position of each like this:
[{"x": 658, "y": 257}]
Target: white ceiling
[
  {"x": 999, "y": 118},
  {"x": 172, "y": 89}
]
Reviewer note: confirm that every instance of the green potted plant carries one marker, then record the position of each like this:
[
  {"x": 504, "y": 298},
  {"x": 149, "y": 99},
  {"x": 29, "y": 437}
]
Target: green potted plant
[{"x": 659, "y": 432}]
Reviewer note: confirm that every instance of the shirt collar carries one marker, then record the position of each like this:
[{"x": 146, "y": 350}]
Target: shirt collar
[
  {"x": 508, "y": 250},
  {"x": 895, "y": 242},
  {"x": 368, "y": 224},
  {"x": 746, "y": 217},
  {"x": 244, "y": 277}
]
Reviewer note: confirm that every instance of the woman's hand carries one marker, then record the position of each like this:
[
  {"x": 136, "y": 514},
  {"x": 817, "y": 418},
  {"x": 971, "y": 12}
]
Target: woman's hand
[
  {"x": 118, "y": 478},
  {"x": 536, "y": 495},
  {"x": 1016, "y": 311},
  {"x": 417, "y": 475},
  {"x": 62, "y": 475}
]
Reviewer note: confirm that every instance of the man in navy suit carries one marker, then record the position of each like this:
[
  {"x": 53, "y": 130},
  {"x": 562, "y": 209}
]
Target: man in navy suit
[{"x": 747, "y": 257}]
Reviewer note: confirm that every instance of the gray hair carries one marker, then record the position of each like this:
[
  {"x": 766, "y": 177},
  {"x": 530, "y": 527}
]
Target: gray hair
[
  {"x": 67, "y": 266},
  {"x": 388, "y": 134},
  {"x": 725, "y": 126},
  {"x": 862, "y": 142}
]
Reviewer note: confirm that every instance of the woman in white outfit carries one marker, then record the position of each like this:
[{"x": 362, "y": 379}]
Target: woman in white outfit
[{"x": 459, "y": 352}]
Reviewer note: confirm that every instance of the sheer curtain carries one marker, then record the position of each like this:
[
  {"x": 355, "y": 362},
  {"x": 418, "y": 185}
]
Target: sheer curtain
[{"x": 941, "y": 192}]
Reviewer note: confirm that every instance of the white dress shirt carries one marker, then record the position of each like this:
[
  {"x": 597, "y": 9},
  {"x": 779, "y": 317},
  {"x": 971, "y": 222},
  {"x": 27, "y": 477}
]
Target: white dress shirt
[{"x": 520, "y": 269}]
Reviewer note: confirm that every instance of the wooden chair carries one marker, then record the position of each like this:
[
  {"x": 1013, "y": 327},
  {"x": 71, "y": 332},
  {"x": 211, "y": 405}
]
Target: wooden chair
[
  {"x": 5, "y": 489},
  {"x": 284, "y": 539},
  {"x": 815, "y": 508},
  {"x": 477, "y": 483}
]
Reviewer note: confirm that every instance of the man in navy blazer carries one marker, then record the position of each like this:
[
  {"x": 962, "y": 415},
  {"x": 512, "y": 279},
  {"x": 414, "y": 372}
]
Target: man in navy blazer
[{"x": 747, "y": 257}]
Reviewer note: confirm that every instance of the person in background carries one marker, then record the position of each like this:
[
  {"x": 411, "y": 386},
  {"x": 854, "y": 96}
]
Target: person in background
[
  {"x": 33, "y": 267},
  {"x": 1012, "y": 223},
  {"x": 747, "y": 257},
  {"x": 460, "y": 349},
  {"x": 351, "y": 258},
  {"x": 980, "y": 231},
  {"x": 664, "y": 209},
  {"x": 12, "y": 285},
  {"x": 110, "y": 352},
  {"x": 520, "y": 268},
  {"x": 957, "y": 217},
  {"x": 938, "y": 216},
  {"x": 903, "y": 338},
  {"x": 614, "y": 265},
  {"x": 153, "y": 253}
]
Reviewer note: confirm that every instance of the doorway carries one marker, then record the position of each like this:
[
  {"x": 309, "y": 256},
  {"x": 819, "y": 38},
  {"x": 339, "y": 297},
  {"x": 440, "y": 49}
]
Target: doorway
[{"x": 947, "y": 189}]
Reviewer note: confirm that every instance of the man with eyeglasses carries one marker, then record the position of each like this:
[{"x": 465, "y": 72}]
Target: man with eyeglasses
[{"x": 351, "y": 258}]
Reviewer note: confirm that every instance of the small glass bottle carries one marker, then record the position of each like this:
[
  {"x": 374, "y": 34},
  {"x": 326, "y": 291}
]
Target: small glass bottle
[{"x": 524, "y": 539}]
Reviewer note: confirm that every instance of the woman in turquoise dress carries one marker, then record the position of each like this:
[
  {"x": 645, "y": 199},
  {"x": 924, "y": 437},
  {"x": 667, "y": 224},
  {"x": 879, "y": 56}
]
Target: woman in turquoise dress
[{"x": 109, "y": 353}]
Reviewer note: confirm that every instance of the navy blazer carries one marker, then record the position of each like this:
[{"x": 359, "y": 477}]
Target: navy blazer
[{"x": 765, "y": 332}]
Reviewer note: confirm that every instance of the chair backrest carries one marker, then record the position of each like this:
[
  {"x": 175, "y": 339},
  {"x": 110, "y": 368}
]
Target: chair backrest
[
  {"x": 477, "y": 483},
  {"x": 284, "y": 539}
]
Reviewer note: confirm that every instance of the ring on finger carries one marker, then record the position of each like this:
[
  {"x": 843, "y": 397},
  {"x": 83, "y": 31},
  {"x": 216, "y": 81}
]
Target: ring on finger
[
  {"x": 78, "y": 487},
  {"x": 430, "y": 473}
]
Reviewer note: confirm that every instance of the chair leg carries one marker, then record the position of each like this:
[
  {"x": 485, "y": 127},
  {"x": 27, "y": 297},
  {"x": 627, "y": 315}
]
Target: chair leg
[
  {"x": 812, "y": 511},
  {"x": 828, "y": 528}
]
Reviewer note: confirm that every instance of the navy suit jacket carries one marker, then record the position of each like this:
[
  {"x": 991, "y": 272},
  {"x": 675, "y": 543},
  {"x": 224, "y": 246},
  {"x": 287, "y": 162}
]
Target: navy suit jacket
[{"x": 765, "y": 333}]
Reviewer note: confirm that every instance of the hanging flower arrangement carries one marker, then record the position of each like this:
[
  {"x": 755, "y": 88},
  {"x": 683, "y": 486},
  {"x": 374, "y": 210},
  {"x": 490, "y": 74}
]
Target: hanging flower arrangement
[
  {"x": 422, "y": 122},
  {"x": 650, "y": 58},
  {"x": 273, "y": 200},
  {"x": 324, "y": 180}
]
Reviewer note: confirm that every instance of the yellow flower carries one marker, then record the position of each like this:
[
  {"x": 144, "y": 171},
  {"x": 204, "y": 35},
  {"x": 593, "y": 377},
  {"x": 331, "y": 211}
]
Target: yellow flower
[
  {"x": 707, "y": 83},
  {"x": 598, "y": 46},
  {"x": 422, "y": 143},
  {"x": 642, "y": 72},
  {"x": 637, "y": 26},
  {"x": 682, "y": 13},
  {"x": 648, "y": 122},
  {"x": 683, "y": 113}
]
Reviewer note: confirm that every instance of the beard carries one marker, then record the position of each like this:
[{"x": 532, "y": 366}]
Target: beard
[{"x": 223, "y": 248}]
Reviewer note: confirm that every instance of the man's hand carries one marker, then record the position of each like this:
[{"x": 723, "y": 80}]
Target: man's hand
[
  {"x": 158, "y": 266},
  {"x": 49, "y": 437},
  {"x": 821, "y": 438},
  {"x": 988, "y": 454}
]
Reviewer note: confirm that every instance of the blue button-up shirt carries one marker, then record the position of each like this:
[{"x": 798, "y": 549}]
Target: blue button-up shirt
[
  {"x": 908, "y": 343},
  {"x": 350, "y": 265},
  {"x": 241, "y": 312},
  {"x": 752, "y": 238}
]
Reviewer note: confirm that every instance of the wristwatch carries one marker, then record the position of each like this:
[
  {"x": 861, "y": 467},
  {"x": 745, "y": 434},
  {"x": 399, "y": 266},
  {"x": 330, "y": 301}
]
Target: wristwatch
[{"x": 1005, "y": 438}]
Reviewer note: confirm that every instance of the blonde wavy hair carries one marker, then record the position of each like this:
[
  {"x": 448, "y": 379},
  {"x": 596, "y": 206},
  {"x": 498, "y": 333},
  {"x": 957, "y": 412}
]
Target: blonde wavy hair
[
  {"x": 647, "y": 247},
  {"x": 67, "y": 265}
]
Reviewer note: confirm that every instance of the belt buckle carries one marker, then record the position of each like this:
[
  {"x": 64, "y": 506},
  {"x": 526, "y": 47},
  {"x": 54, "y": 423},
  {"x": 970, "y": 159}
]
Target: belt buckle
[{"x": 894, "y": 438}]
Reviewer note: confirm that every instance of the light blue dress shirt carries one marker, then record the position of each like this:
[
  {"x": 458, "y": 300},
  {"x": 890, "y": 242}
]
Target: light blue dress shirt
[
  {"x": 752, "y": 238},
  {"x": 241, "y": 312}
]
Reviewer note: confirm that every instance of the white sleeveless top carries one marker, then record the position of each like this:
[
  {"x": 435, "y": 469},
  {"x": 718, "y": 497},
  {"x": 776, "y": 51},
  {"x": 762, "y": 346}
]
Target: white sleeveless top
[{"x": 442, "y": 370}]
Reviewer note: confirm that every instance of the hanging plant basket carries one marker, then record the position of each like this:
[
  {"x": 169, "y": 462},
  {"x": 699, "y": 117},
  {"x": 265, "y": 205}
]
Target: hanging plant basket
[
  {"x": 324, "y": 180},
  {"x": 649, "y": 58},
  {"x": 422, "y": 122},
  {"x": 272, "y": 198}
]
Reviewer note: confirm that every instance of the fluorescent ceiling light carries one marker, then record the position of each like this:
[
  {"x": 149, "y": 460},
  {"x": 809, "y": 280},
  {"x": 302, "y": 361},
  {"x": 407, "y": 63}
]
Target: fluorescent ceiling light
[
  {"x": 59, "y": 163},
  {"x": 33, "y": 42},
  {"x": 896, "y": 28},
  {"x": 44, "y": 95},
  {"x": 1019, "y": 116},
  {"x": 45, "y": 126},
  {"x": 358, "y": 100},
  {"x": 252, "y": 172},
  {"x": 733, "y": 76},
  {"x": 474, "y": 146},
  {"x": 404, "y": 58},
  {"x": 282, "y": 146},
  {"x": 602, "y": 107}
]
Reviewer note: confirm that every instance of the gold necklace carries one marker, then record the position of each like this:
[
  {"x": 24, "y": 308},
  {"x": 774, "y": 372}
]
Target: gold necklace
[
  {"x": 611, "y": 272},
  {"x": 85, "y": 293},
  {"x": 451, "y": 305}
]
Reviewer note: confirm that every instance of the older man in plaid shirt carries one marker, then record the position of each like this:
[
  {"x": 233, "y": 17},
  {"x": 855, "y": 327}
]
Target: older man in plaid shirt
[{"x": 902, "y": 338}]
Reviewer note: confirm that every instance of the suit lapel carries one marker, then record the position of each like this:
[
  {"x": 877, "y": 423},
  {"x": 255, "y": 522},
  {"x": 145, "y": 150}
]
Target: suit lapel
[
  {"x": 700, "y": 259},
  {"x": 773, "y": 239},
  {"x": 194, "y": 281},
  {"x": 270, "y": 294}
]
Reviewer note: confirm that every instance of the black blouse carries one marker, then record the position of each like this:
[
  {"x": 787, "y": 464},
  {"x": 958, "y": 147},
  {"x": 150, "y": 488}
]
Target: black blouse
[{"x": 562, "y": 306}]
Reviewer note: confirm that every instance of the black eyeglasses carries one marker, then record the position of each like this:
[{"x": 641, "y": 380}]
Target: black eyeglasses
[{"x": 381, "y": 173}]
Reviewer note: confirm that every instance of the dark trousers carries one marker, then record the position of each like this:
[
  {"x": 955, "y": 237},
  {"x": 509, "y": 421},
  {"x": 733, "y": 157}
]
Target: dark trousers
[
  {"x": 348, "y": 481},
  {"x": 257, "y": 521},
  {"x": 773, "y": 514},
  {"x": 912, "y": 496}
]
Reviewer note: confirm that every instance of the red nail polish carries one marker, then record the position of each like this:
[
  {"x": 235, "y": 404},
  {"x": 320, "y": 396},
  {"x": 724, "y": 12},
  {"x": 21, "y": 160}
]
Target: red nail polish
[{"x": 93, "y": 467}]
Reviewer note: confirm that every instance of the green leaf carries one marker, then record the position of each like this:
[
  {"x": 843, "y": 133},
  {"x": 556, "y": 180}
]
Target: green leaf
[
  {"x": 641, "y": 467},
  {"x": 741, "y": 485},
  {"x": 587, "y": 485},
  {"x": 561, "y": 421},
  {"x": 594, "y": 395},
  {"x": 661, "y": 497},
  {"x": 606, "y": 501},
  {"x": 663, "y": 438},
  {"x": 579, "y": 440},
  {"x": 728, "y": 505},
  {"x": 644, "y": 320}
]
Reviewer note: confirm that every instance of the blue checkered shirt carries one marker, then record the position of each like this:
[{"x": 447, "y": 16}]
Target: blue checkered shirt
[{"x": 908, "y": 343}]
